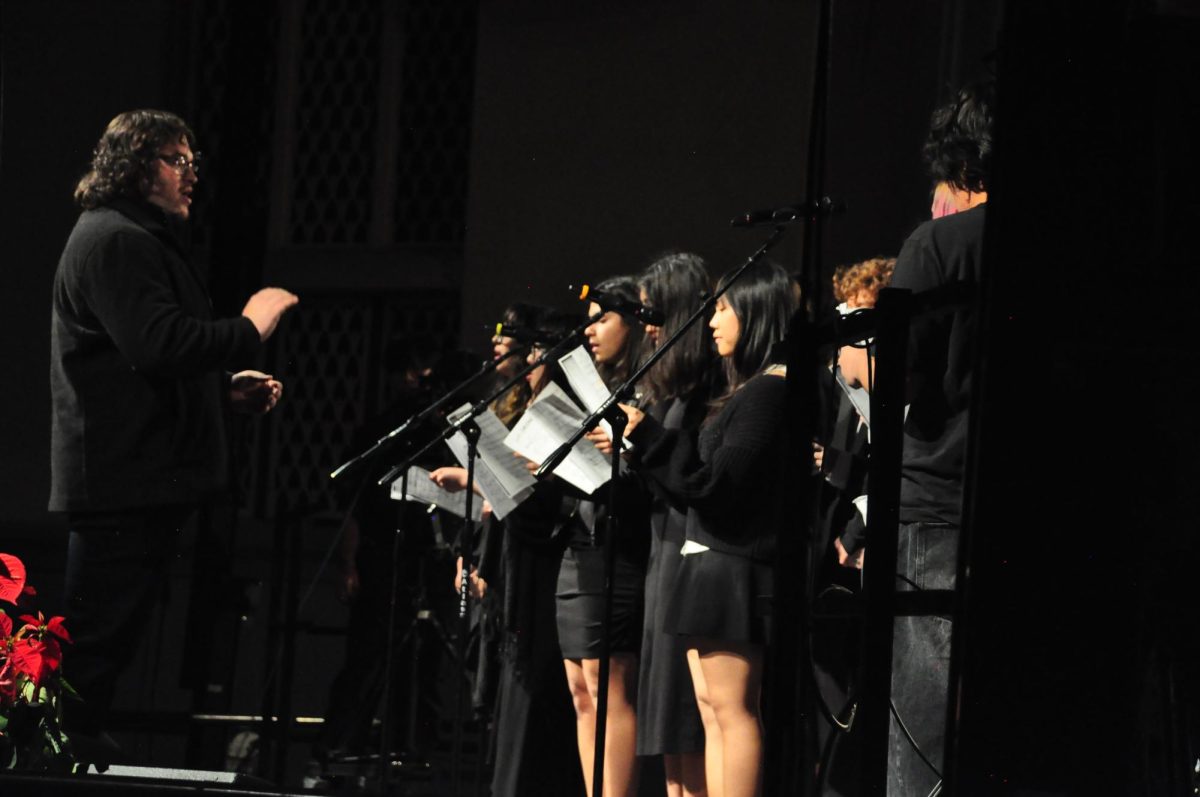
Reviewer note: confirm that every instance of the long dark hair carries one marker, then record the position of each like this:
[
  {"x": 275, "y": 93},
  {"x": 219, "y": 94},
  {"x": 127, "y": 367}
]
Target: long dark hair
[
  {"x": 123, "y": 161},
  {"x": 622, "y": 366},
  {"x": 763, "y": 299},
  {"x": 675, "y": 284}
]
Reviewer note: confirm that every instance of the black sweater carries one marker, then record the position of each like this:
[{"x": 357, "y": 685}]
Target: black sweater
[
  {"x": 136, "y": 367},
  {"x": 732, "y": 475}
]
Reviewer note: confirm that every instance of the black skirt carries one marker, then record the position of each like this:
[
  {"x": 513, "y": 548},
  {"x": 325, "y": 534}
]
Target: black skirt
[
  {"x": 722, "y": 597},
  {"x": 668, "y": 720},
  {"x": 580, "y": 599}
]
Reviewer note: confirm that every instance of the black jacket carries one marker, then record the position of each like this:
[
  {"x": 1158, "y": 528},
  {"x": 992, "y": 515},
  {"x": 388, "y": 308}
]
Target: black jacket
[{"x": 137, "y": 367}]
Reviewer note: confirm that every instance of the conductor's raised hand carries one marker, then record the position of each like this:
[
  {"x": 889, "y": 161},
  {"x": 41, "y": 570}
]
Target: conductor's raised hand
[{"x": 265, "y": 308}]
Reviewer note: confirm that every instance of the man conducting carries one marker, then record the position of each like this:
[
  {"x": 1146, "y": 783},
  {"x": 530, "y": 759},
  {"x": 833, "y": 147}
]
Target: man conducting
[{"x": 140, "y": 377}]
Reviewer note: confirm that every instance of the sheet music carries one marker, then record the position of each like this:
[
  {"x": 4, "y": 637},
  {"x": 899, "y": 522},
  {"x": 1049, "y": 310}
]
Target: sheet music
[
  {"x": 858, "y": 396},
  {"x": 501, "y": 477},
  {"x": 423, "y": 490},
  {"x": 546, "y": 425},
  {"x": 585, "y": 380}
]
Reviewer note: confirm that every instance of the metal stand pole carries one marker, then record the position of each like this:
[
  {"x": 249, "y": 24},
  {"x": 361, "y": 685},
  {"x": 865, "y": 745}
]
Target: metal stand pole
[
  {"x": 894, "y": 309},
  {"x": 617, "y": 420},
  {"x": 385, "y": 729},
  {"x": 471, "y": 431}
]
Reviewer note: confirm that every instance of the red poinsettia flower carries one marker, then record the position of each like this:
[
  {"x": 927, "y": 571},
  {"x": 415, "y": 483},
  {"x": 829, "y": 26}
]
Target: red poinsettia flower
[
  {"x": 6, "y": 626},
  {"x": 12, "y": 577},
  {"x": 55, "y": 626},
  {"x": 36, "y": 622},
  {"x": 36, "y": 658}
]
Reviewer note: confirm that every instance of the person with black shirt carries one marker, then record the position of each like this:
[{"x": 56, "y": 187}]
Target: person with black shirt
[
  {"x": 140, "y": 384},
  {"x": 615, "y": 342},
  {"x": 676, "y": 393},
  {"x": 943, "y": 251},
  {"x": 732, "y": 479}
]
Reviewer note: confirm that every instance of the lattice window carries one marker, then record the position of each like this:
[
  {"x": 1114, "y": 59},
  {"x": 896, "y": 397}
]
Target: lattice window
[
  {"x": 330, "y": 356},
  {"x": 335, "y": 122},
  {"x": 323, "y": 357},
  {"x": 433, "y": 146}
]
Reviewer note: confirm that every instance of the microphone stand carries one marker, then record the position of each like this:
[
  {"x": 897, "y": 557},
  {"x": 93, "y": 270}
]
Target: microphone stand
[
  {"x": 415, "y": 421},
  {"x": 609, "y": 411},
  {"x": 401, "y": 433},
  {"x": 481, "y": 406},
  {"x": 471, "y": 431}
]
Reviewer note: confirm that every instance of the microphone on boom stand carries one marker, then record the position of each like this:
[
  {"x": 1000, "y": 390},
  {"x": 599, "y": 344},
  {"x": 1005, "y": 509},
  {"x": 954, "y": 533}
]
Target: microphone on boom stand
[
  {"x": 803, "y": 210},
  {"x": 607, "y": 301}
]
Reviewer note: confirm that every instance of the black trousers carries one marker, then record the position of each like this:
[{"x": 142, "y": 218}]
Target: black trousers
[{"x": 117, "y": 564}]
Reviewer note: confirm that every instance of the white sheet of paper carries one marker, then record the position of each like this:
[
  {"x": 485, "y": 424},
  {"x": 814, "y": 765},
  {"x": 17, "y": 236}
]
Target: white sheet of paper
[
  {"x": 546, "y": 425},
  {"x": 585, "y": 380},
  {"x": 502, "y": 478},
  {"x": 423, "y": 490}
]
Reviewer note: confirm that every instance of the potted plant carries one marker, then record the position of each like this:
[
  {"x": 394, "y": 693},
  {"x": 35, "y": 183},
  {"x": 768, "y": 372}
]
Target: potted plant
[{"x": 31, "y": 682}]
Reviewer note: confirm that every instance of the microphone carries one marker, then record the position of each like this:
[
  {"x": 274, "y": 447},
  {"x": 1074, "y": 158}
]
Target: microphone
[
  {"x": 626, "y": 307},
  {"x": 519, "y": 334},
  {"x": 804, "y": 209},
  {"x": 525, "y": 335}
]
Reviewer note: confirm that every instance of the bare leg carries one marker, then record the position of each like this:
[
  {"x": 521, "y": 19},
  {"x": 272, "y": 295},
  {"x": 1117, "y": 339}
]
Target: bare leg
[
  {"x": 620, "y": 736},
  {"x": 585, "y": 718},
  {"x": 713, "y": 765},
  {"x": 733, "y": 677},
  {"x": 685, "y": 774}
]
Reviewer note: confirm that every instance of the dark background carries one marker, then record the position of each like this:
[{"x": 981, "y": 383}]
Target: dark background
[{"x": 411, "y": 167}]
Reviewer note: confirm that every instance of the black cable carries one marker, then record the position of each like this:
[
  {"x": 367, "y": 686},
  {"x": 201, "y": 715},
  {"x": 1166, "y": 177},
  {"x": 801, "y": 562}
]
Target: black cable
[
  {"x": 830, "y": 746},
  {"x": 826, "y": 711},
  {"x": 916, "y": 747}
]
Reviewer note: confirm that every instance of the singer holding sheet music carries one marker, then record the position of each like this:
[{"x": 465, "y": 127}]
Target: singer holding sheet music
[
  {"x": 732, "y": 479},
  {"x": 533, "y": 746},
  {"x": 615, "y": 341}
]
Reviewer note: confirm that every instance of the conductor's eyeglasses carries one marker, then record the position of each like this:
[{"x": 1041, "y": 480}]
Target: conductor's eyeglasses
[{"x": 178, "y": 162}]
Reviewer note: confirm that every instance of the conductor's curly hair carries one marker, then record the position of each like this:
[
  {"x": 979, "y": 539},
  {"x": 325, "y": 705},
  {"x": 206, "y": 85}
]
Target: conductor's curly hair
[
  {"x": 958, "y": 149},
  {"x": 123, "y": 161}
]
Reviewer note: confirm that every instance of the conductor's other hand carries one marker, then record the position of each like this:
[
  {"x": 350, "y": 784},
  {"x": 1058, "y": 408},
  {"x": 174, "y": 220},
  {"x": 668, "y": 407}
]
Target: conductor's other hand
[
  {"x": 254, "y": 392},
  {"x": 478, "y": 585},
  {"x": 266, "y": 307}
]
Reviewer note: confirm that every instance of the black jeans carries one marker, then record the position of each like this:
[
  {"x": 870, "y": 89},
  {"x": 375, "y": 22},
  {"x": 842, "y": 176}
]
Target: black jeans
[
  {"x": 927, "y": 559},
  {"x": 117, "y": 564}
]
